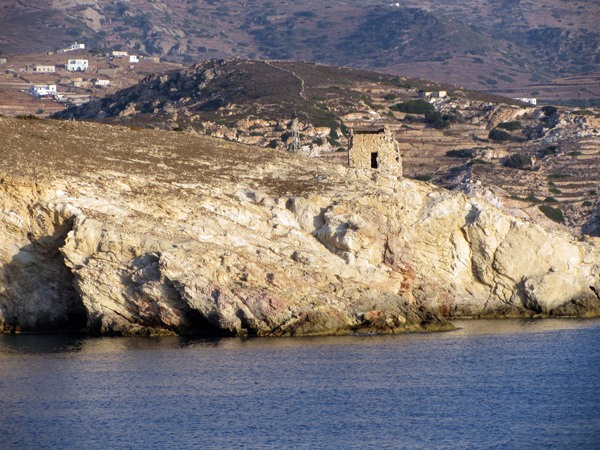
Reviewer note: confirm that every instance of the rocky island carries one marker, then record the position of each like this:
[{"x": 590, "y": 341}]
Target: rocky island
[{"x": 126, "y": 231}]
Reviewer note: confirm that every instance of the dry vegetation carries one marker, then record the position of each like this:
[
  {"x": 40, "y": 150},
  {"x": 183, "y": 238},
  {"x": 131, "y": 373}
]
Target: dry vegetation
[{"x": 508, "y": 46}]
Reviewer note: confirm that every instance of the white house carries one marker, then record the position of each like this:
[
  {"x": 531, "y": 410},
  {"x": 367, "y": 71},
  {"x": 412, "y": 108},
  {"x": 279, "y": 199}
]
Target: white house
[
  {"x": 76, "y": 46},
  {"x": 72, "y": 47},
  {"x": 102, "y": 83},
  {"x": 531, "y": 101},
  {"x": 45, "y": 69},
  {"x": 77, "y": 65},
  {"x": 117, "y": 54},
  {"x": 43, "y": 90},
  {"x": 133, "y": 59}
]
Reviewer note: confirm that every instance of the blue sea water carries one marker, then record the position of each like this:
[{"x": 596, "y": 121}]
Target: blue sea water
[{"x": 489, "y": 385}]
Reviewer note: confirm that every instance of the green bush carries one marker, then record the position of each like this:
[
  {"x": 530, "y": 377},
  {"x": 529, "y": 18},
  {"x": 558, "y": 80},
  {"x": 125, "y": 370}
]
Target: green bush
[
  {"x": 439, "y": 120},
  {"x": 390, "y": 96},
  {"x": 575, "y": 153},
  {"x": 410, "y": 118},
  {"x": 462, "y": 153},
  {"x": 586, "y": 203},
  {"x": 511, "y": 126},
  {"x": 550, "y": 200},
  {"x": 552, "y": 213},
  {"x": 558, "y": 175},
  {"x": 499, "y": 135},
  {"x": 413, "y": 107},
  {"x": 273, "y": 143},
  {"x": 555, "y": 190},
  {"x": 549, "y": 110},
  {"x": 517, "y": 161},
  {"x": 550, "y": 150}
]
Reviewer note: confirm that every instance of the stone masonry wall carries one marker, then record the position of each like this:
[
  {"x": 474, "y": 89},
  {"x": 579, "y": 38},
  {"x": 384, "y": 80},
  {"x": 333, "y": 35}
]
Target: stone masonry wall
[{"x": 364, "y": 144}]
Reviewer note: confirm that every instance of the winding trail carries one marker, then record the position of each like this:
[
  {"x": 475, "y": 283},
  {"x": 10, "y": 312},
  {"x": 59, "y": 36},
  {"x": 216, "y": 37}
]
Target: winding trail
[{"x": 268, "y": 63}]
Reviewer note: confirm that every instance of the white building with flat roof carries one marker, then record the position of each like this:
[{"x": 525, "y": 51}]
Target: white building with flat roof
[
  {"x": 531, "y": 101},
  {"x": 77, "y": 65},
  {"x": 43, "y": 90},
  {"x": 133, "y": 59}
]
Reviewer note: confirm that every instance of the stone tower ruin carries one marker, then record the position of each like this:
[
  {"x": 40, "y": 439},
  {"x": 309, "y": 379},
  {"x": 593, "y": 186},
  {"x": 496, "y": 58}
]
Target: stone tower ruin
[{"x": 375, "y": 149}]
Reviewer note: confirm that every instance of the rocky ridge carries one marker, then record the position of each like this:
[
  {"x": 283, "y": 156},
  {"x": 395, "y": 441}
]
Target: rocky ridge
[
  {"x": 253, "y": 102},
  {"x": 121, "y": 231}
]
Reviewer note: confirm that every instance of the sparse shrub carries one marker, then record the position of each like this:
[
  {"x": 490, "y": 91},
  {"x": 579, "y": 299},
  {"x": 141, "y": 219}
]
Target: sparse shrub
[
  {"x": 552, "y": 213},
  {"x": 533, "y": 199},
  {"x": 549, "y": 110},
  {"x": 555, "y": 190},
  {"x": 480, "y": 161},
  {"x": 390, "y": 96},
  {"x": 499, "y": 135},
  {"x": 575, "y": 153},
  {"x": 439, "y": 120},
  {"x": 410, "y": 118},
  {"x": 178, "y": 129},
  {"x": 586, "y": 203},
  {"x": 413, "y": 107},
  {"x": 517, "y": 161},
  {"x": 341, "y": 149},
  {"x": 511, "y": 126},
  {"x": 273, "y": 143},
  {"x": 550, "y": 200},
  {"x": 558, "y": 175},
  {"x": 462, "y": 153},
  {"x": 27, "y": 117},
  {"x": 436, "y": 120},
  {"x": 550, "y": 150},
  {"x": 584, "y": 112},
  {"x": 423, "y": 177},
  {"x": 593, "y": 192}
]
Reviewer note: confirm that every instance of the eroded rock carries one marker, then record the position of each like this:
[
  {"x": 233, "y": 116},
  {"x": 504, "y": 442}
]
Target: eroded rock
[{"x": 153, "y": 232}]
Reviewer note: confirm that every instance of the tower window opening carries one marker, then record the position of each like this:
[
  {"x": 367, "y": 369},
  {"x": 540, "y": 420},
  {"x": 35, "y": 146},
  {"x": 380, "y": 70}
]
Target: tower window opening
[{"x": 374, "y": 163}]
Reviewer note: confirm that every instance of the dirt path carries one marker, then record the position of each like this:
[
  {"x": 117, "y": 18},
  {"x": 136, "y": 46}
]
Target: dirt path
[{"x": 268, "y": 63}]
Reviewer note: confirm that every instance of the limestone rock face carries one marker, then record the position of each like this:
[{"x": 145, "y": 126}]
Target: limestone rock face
[{"x": 128, "y": 231}]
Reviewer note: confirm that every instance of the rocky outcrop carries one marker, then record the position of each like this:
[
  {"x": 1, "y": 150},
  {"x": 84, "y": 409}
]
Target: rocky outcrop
[{"x": 124, "y": 231}]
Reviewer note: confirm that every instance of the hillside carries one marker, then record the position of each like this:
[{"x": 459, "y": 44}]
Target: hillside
[
  {"x": 510, "y": 47},
  {"x": 547, "y": 157}
]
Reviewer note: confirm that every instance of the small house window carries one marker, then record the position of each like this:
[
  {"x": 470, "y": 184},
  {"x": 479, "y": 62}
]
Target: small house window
[{"x": 374, "y": 160}]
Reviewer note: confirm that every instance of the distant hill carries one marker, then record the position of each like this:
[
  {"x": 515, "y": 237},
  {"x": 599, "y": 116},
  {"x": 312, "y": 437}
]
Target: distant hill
[
  {"x": 227, "y": 91},
  {"x": 508, "y": 46}
]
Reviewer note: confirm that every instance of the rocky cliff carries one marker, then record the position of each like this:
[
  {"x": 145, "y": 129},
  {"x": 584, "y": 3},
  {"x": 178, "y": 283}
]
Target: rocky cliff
[{"x": 125, "y": 231}]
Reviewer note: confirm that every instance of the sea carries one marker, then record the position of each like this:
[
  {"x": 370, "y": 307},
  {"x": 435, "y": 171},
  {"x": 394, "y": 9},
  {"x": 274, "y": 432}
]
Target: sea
[{"x": 491, "y": 384}]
